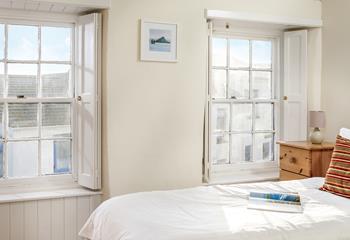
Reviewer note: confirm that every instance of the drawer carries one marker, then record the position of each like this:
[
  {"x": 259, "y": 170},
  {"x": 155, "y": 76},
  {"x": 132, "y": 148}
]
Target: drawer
[
  {"x": 295, "y": 160},
  {"x": 285, "y": 176}
]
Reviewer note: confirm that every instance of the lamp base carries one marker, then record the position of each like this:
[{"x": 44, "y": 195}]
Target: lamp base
[{"x": 316, "y": 137}]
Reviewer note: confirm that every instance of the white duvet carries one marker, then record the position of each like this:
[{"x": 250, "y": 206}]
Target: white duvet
[{"x": 220, "y": 213}]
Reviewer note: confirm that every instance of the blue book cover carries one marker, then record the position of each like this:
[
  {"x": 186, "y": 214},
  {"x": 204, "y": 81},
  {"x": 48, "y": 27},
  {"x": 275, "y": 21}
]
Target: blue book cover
[
  {"x": 285, "y": 197},
  {"x": 270, "y": 201}
]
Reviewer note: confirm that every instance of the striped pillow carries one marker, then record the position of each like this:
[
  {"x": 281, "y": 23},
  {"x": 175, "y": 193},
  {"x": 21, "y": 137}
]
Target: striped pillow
[{"x": 337, "y": 179}]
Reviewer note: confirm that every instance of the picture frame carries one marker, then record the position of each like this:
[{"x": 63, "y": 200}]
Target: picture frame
[{"x": 159, "y": 41}]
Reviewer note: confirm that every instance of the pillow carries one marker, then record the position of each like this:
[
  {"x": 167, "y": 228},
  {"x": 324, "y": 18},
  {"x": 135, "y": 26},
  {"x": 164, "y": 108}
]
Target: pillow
[
  {"x": 345, "y": 133},
  {"x": 337, "y": 179}
]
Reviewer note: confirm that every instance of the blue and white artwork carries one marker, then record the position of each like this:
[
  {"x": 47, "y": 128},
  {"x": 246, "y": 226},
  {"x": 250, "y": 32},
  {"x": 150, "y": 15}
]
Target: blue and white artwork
[{"x": 159, "y": 40}]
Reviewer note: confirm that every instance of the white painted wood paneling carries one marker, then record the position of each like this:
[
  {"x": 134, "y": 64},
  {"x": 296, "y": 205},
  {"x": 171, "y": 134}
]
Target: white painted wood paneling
[
  {"x": 43, "y": 6},
  {"x": 18, "y": 5},
  {"x": 57, "y": 223},
  {"x": 57, "y": 6},
  {"x": 95, "y": 201},
  {"x": 70, "y": 218},
  {"x": 71, "y": 9},
  {"x": 5, "y": 4},
  {"x": 48, "y": 219},
  {"x": 31, "y": 6},
  {"x": 83, "y": 211},
  {"x": 259, "y": 18},
  {"x": 5, "y": 221},
  {"x": 17, "y": 221},
  {"x": 88, "y": 87},
  {"x": 31, "y": 220},
  {"x": 44, "y": 220},
  {"x": 295, "y": 107}
]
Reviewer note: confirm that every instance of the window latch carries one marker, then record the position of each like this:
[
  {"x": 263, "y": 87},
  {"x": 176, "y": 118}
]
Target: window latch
[{"x": 79, "y": 98}]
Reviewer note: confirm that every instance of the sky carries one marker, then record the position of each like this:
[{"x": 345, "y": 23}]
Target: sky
[{"x": 158, "y": 33}]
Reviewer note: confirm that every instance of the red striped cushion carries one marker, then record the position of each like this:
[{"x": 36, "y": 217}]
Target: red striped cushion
[{"x": 337, "y": 179}]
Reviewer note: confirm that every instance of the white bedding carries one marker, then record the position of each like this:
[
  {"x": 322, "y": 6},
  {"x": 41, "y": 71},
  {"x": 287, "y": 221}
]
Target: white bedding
[{"x": 220, "y": 213}]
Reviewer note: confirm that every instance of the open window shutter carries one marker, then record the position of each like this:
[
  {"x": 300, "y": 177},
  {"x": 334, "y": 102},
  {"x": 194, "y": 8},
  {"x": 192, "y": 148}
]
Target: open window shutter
[
  {"x": 206, "y": 150},
  {"x": 88, "y": 106},
  {"x": 295, "y": 86}
]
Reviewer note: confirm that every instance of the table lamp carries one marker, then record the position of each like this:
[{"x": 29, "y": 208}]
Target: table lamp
[{"x": 317, "y": 121}]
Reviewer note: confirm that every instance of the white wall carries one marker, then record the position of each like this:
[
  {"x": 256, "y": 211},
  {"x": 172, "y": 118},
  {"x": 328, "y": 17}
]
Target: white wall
[
  {"x": 314, "y": 69},
  {"x": 336, "y": 67},
  {"x": 153, "y": 112}
]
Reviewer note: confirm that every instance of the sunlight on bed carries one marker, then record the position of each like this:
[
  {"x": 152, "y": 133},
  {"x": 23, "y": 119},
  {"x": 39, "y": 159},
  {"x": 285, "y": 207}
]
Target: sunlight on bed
[{"x": 315, "y": 213}]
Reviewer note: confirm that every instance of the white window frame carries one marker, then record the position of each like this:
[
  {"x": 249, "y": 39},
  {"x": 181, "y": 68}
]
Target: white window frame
[
  {"x": 43, "y": 181},
  {"x": 245, "y": 172}
]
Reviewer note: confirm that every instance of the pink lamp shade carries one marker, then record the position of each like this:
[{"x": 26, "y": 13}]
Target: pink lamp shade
[{"x": 317, "y": 119}]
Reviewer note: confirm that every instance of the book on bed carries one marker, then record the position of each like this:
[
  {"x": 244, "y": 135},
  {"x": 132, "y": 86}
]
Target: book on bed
[{"x": 279, "y": 202}]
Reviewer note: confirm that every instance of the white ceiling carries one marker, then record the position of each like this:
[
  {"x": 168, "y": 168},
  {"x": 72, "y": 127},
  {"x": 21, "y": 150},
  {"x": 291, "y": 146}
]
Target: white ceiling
[{"x": 44, "y": 6}]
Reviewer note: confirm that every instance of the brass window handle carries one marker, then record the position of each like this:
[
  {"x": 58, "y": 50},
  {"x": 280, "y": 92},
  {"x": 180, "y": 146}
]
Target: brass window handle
[{"x": 285, "y": 98}]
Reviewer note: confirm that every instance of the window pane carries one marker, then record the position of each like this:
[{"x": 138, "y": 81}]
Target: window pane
[
  {"x": 55, "y": 80},
  {"x": 261, "y": 54},
  {"x": 56, "y": 156},
  {"x": 23, "y": 120},
  {"x": 219, "y": 84},
  {"x": 1, "y": 120},
  {"x": 23, "y": 42},
  {"x": 56, "y": 120},
  {"x": 262, "y": 85},
  {"x": 56, "y": 43},
  {"x": 219, "y": 58},
  {"x": 220, "y": 117},
  {"x": 239, "y": 85},
  {"x": 242, "y": 117},
  {"x": 220, "y": 149},
  {"x": 2, "y": 41},
  {"x": 264, "y": 116},
  {"x": 2, "y": 79},
  {"x": 264, "y": 147},
  {"x": 22, "y": 159},
  {"x": 241, "y": 147},
  {"x": 239, "y": 53},
  {"x": 22, "y": 80}
]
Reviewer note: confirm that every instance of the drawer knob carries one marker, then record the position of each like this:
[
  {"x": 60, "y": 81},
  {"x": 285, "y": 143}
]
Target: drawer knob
[{"x": 292, "y": 160}]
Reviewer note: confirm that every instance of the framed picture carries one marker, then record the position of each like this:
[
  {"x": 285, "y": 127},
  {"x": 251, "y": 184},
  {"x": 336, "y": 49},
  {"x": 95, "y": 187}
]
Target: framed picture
[{"x": 158, "y": 41}]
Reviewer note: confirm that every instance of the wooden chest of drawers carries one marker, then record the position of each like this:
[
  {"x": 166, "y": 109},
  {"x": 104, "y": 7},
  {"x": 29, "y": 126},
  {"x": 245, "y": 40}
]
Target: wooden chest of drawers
[{"x": 300, "y": 160}]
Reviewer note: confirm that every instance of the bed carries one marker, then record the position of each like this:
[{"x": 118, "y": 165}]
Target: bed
[{"x": 220, "y": 213}]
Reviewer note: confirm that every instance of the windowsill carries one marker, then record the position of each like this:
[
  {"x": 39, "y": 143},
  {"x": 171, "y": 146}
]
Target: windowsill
[
  {"x": 229, "y": 181},
  {"x": 44, "y": 195},
  {"x": 269, "y": 172}
]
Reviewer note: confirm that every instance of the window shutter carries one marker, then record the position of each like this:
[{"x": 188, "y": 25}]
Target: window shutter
[
  {"x": 295, "y": 86},
  {"x": 88, "y": 105},
  {"x": 206, "y": 150}
]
